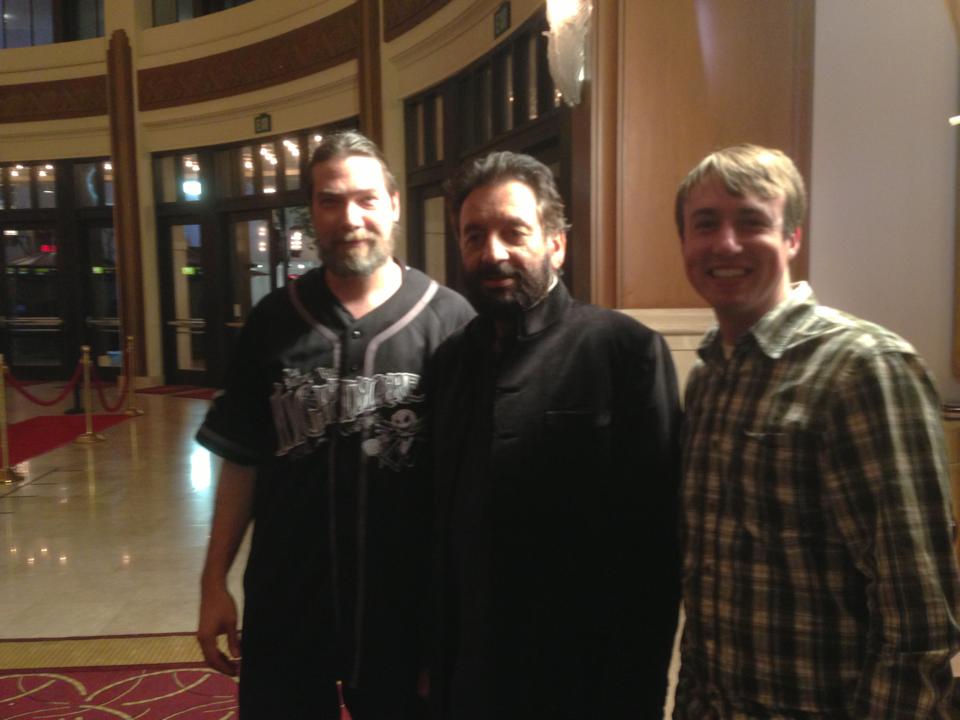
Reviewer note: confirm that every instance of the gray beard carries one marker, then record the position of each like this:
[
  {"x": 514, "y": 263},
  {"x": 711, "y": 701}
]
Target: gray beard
[
  {"x": 355, "y": 266},
  {"x": 529, "y": 290},
  {"x": 378, "y": 253}
]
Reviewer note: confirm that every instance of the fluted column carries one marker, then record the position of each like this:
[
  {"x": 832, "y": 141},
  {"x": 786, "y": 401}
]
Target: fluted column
[
  {"x": 123, "y": 150},
  {"x": 371, "y": 105}
]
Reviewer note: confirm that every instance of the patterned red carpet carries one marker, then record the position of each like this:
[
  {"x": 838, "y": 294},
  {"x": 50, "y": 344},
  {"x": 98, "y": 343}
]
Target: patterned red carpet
[
  {"x": 145, "y": 693},
  {"x": 131, "y": 677}
]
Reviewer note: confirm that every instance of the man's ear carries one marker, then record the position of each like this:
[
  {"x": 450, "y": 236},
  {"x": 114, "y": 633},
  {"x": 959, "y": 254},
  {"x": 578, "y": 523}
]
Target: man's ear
[
  {"x": 557, "y": 247},
  {"x": 793, "y": 242}
]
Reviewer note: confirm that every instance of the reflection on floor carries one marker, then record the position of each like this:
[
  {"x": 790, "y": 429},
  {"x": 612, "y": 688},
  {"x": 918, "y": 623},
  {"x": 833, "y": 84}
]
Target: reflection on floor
[{"x": 108, "y": 538}]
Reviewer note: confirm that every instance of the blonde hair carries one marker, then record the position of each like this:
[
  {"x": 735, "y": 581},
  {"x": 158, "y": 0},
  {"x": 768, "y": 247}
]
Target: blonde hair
[{"x": 748, "y": 168}]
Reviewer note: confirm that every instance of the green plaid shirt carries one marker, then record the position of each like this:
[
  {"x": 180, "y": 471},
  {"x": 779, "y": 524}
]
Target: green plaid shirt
[{"x": 819, "y": 578}]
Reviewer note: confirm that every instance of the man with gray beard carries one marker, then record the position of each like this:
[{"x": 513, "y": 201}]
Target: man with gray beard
[
  {"x": 554, "y": 440},
  {"x": 324, "y": 463}
]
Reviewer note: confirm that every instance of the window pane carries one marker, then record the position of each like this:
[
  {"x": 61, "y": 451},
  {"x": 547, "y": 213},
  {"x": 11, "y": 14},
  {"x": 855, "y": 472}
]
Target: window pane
[
  {"x": 192, "y": 190},
  {"x": 85, "y": 184},
  {"x": 164, "y": 12},
  {"x": 312, "y": 143},
  {"x": 46, "y": 185},
  {"x": 247, "y": 175},
  {"x": 102, "y": 261},
  {"x": 167, "y": 177},
  {"x": 438, "y": 125},
  {"x": 84, "y": 18},
  {"x": 532, "y": 71},
  {"x": 31, "y": 267},
  {"x": 19, "y": 179},
  {"x": 107, "y": 182},
  {"x": 16, "y": 20},
  {"x": 301, "y": 243},
  {"x": 434, "y": 239},
  {"x": 42, "y": 22},
  {"x": 250, "y": 265},
  {"x": 223, "y": 173},
  {"x": 421, "y": 151},
  {"x": 291, "y": 159},
  {"x": 508, "y": 91},
  {"x": 486, "y": 103},
  {"x": 184, "y": 9},
  {"x": 38, "y": 349},
  {"x": 186, "y": 255},
  {"x": 268, "y": 166}
]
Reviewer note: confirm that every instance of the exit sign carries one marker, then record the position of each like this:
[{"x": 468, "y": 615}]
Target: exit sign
[{"x": 261, "y": 123}]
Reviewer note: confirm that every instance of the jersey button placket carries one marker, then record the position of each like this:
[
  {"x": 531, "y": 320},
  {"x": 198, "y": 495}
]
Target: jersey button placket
[{"x": 354, "y": 334}]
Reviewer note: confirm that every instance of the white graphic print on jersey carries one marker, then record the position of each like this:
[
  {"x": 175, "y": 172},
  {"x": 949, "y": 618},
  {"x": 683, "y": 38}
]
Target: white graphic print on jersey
[{"x": 308, "y": 405}]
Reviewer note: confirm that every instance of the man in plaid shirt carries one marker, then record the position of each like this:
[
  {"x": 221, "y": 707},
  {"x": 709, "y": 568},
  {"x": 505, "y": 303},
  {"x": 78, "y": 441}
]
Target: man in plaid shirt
[{"x": 819, "y": 578}]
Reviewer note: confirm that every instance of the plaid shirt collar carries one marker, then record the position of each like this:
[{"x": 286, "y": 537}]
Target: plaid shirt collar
[{"x": 774, "y": 333}]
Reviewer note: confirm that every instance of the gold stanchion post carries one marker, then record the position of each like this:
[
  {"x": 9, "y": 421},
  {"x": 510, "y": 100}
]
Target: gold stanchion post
[
  {"x": 7, "y": 473},
  {"x": 89, "y": 436},
  {"x": 129, "y": 364}
]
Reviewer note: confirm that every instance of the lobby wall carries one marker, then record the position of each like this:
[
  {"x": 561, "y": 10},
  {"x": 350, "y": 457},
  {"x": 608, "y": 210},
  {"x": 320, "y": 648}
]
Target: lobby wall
[{"x": 883, "y": 176}]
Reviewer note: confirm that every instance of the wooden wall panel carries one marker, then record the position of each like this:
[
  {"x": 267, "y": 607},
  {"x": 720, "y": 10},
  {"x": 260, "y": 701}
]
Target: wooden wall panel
[
  {"x": 53, "y": 100},
  {"x": 310, "y": 49},
  {"x": 698, "y": 75}
]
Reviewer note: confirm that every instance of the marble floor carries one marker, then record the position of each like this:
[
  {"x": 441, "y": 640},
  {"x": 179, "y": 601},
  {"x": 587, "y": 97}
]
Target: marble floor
[{"x": 108, "y": 538}]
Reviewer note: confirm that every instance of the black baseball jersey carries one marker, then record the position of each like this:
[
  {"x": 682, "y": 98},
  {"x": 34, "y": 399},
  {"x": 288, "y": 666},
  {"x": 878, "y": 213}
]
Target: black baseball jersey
[{"x": 327, "y": 407}]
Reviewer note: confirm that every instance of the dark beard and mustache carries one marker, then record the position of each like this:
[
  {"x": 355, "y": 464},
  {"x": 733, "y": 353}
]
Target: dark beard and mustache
[
  {"x": 529, "y": 288},
  {"x": 348, "y": 264}
]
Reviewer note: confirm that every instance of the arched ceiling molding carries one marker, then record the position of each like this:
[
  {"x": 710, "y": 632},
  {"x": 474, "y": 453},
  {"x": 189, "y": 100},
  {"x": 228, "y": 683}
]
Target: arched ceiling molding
[
  {"x": 399, "y": 16},
  {"x": 310, "y": 49},
  {"x": 430, "y": 54},
  {"x": 53, "y": 100},
  {"x": 301, "y": 103}
]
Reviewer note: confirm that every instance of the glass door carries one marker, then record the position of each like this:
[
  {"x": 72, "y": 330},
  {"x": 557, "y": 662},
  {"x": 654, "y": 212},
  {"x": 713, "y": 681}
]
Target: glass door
[
  {"x": 267, "y": 249},
  {"x": 32, "y": 314},
  {"x": 253, "y": 263},
  {"x": 101, "y": 316},
  {"x": 185, "y": 303}
]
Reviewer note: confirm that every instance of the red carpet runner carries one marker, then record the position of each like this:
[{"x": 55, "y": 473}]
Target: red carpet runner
[
  {"x": 147, "y": 693},
  {"x": 42, "y": 434}
]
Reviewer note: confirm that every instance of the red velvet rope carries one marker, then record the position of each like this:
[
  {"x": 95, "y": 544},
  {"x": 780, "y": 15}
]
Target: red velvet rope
[
  {"x": 99, "y": 385},
  {"x": 15, "y": 384}
]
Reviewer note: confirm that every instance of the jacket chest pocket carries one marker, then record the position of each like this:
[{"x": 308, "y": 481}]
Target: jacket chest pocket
[{"x": 774, "y": 485}]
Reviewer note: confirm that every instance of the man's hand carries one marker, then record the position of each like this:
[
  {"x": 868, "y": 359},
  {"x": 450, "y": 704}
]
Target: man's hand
[{"x": 218, "y": 616}]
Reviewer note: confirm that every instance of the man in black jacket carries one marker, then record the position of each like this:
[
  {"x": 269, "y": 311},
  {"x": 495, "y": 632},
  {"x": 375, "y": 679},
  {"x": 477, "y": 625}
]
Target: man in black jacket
[{"x": 554, "y": 429}]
